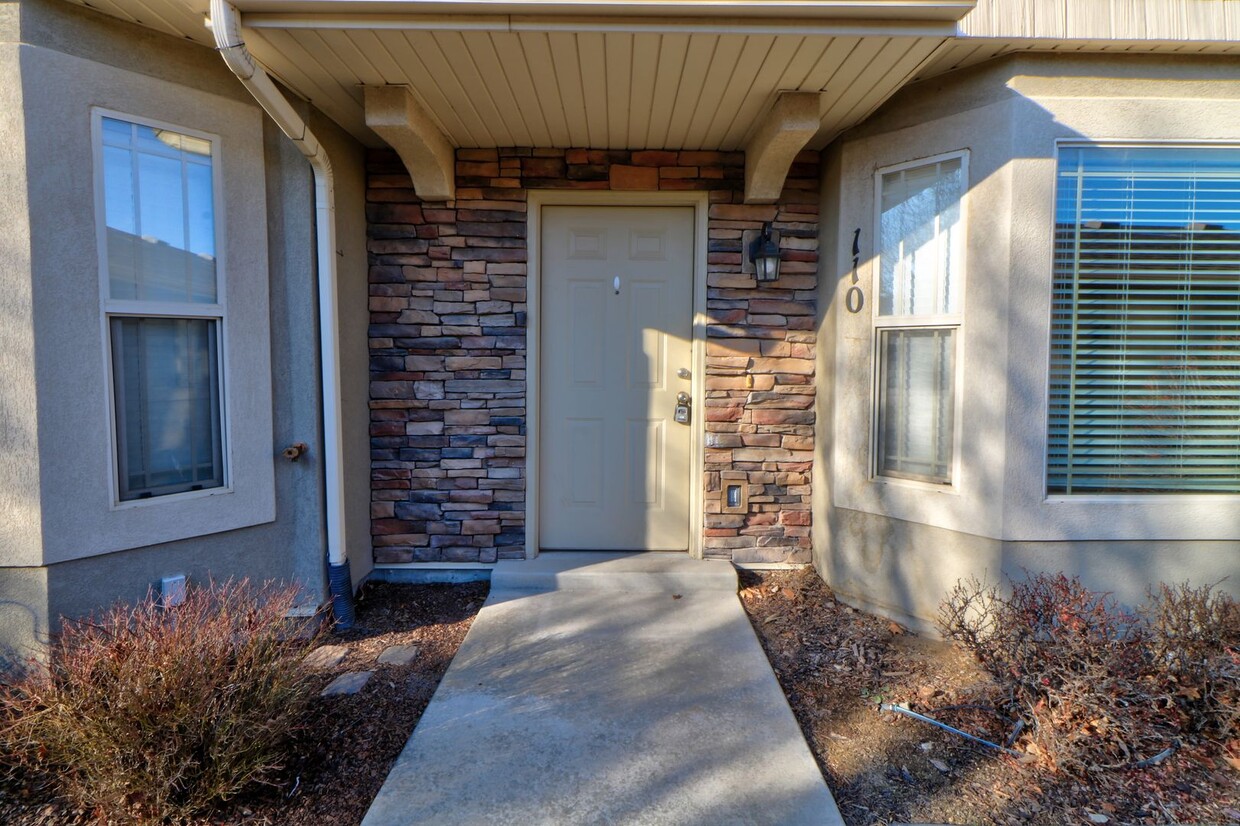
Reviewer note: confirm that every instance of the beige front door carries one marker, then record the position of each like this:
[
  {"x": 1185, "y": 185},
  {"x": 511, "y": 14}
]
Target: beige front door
[{"x": 616, "y": 344}]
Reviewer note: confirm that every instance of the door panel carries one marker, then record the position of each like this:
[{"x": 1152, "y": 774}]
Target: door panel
[{"x": 614, "y": 466}]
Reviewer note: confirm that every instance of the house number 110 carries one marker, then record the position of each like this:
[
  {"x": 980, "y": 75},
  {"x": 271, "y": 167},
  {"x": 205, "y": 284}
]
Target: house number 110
[{"x": 854, "y": 299}]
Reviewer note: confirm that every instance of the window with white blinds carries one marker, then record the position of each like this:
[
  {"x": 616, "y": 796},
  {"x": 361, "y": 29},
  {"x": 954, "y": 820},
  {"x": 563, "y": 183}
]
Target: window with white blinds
[{"x": 1145, "y": 332}]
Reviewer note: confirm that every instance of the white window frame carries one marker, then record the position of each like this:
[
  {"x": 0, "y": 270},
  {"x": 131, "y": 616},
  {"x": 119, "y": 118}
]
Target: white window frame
[
  {"x": 955, "y": 321},
  {"x": 122, "y": 308},
  {"x": 1151, "y": 499}
]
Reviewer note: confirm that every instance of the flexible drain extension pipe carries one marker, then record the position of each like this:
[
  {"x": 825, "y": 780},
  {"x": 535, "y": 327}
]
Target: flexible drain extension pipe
[{"x": 226, "y": 27}]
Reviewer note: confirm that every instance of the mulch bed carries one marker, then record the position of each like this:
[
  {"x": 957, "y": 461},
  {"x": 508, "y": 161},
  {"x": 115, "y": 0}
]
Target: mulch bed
[
  {"x": 837, "y": 665},
  {"x": 344, "y": 755}
]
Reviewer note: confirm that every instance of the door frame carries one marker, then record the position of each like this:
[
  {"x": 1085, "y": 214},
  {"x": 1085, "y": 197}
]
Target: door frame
[{"x": 539, "y": 198}]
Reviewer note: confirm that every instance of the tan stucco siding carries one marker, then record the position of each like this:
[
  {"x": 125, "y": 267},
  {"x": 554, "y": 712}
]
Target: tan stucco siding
[
  {"x": 75, "y": 444},
  {"x": 63, "y": 550},
  {"x": 20, "y": 529},
  {"x": 898, "y": 546},
  {"x": 1182, "y": 101}
]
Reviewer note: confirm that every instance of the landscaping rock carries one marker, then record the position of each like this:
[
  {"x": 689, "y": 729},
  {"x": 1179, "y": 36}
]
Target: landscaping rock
[
  {"x": 326, "y": 656},
  {"x": 399, "y": 654},
  {"x": 348, "y": 683}
]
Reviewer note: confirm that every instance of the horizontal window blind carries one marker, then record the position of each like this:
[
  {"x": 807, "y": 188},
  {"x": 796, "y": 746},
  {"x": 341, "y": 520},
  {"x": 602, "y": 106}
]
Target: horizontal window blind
[
  {"x": 916, "y": 408},
  {"x": 1145, "y": 337}
]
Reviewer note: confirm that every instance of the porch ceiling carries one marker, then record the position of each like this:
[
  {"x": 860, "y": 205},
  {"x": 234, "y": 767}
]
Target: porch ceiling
[
  {"x": 667, "y": 78},
  {"x": 599, "y": 89}
]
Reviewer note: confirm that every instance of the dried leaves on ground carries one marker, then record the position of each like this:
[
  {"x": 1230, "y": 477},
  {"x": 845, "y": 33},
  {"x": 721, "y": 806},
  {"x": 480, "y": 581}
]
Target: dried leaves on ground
[
  {"x": 837, "y": 665},
  {"x": 344, "y": 754}
]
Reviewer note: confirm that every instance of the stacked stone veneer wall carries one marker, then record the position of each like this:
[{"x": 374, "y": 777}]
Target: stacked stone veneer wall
[{"x": 448, "y": 350}]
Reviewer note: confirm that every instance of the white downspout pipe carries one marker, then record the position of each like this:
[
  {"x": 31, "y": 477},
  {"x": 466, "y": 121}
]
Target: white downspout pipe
[{"x": 226, "y": 28}]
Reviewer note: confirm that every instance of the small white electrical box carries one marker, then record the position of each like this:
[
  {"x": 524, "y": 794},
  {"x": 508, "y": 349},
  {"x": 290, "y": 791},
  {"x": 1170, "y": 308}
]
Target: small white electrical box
[{"x": 172, "y": 590}]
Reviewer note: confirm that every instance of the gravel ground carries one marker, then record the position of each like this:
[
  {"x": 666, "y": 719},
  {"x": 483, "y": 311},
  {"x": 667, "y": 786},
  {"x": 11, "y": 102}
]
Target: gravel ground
[{"x": 837, "y": 665}]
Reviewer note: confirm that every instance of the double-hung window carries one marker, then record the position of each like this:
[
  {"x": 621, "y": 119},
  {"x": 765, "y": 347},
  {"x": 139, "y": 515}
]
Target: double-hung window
[
  {"x": 917, "y": 317},
  {"x": 1144, "y": 391},
  {"x": 163, "y": 306}
]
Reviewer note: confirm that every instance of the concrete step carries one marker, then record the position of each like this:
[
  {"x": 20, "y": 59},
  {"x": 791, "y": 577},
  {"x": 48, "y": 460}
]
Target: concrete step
[{"x": 675, "y": 573}]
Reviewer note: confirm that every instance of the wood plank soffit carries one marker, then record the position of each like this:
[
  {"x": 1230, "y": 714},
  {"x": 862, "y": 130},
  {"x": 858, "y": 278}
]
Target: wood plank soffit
[
  {"x": 786, "y": 129},
  {"x": 428, "y": 155}
]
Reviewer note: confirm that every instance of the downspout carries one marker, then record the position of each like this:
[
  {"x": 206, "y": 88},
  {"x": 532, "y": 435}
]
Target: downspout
[{"x": 226, "y": 27}]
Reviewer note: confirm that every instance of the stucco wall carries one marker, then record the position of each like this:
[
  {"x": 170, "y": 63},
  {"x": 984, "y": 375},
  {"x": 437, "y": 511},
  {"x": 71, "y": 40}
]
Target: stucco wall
[
  {"x": 102, "y": 60},
  {"x": 896, "y": 545},
  {"x": 24, "y": 617},
  {"x": 80, "y": 514},
  {"x": 294, "y": 370},
  {"x": 10, "y": 21},
  {"x": 1184, "y": 101},
  {"x": 20, "y": 527},
  {"x": 288, "y": 549}
]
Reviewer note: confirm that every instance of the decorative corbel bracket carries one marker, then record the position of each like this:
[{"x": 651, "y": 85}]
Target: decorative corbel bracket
[
  {"x": 394, "y": 115},
  {"x": 792, "y": 121}
]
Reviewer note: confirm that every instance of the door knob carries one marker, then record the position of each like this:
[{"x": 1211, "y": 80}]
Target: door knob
[{"x": 682, "y": 407}]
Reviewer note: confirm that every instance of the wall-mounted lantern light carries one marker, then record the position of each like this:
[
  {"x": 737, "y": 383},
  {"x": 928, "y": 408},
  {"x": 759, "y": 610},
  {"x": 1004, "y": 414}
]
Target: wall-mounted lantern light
[{"x": 763, "y": 254}]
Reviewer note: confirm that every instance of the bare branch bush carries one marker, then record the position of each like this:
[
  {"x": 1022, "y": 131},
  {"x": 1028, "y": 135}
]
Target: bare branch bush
[
  {"x": 1102, "y": 687},
  {"x": 1196, "y": 637},
  {"x": 151, "y": 715}
]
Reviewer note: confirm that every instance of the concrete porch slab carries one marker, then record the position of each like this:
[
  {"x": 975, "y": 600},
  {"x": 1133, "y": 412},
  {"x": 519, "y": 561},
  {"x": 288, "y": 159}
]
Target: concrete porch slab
[
  {"x": 632, "y": 701},
  {"x": 604, "y": 571}
]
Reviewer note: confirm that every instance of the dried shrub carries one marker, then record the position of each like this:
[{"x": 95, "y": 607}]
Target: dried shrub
[
  {"x": 1195, "y": 633},
  {"x": 1101, "y": 686},
  {"x": 152, "y": 715}
]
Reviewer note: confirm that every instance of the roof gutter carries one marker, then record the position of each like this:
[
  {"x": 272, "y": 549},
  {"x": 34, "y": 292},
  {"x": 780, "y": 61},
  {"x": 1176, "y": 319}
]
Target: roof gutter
[
  {"x": 226, "y": 28},
  {"x": 844, "y": 27},
  {"x": 942, "y": 10}
]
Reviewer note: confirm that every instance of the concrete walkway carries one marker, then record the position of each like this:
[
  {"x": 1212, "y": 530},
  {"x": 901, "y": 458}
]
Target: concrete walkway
[{"x": 608, "y": 689}]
